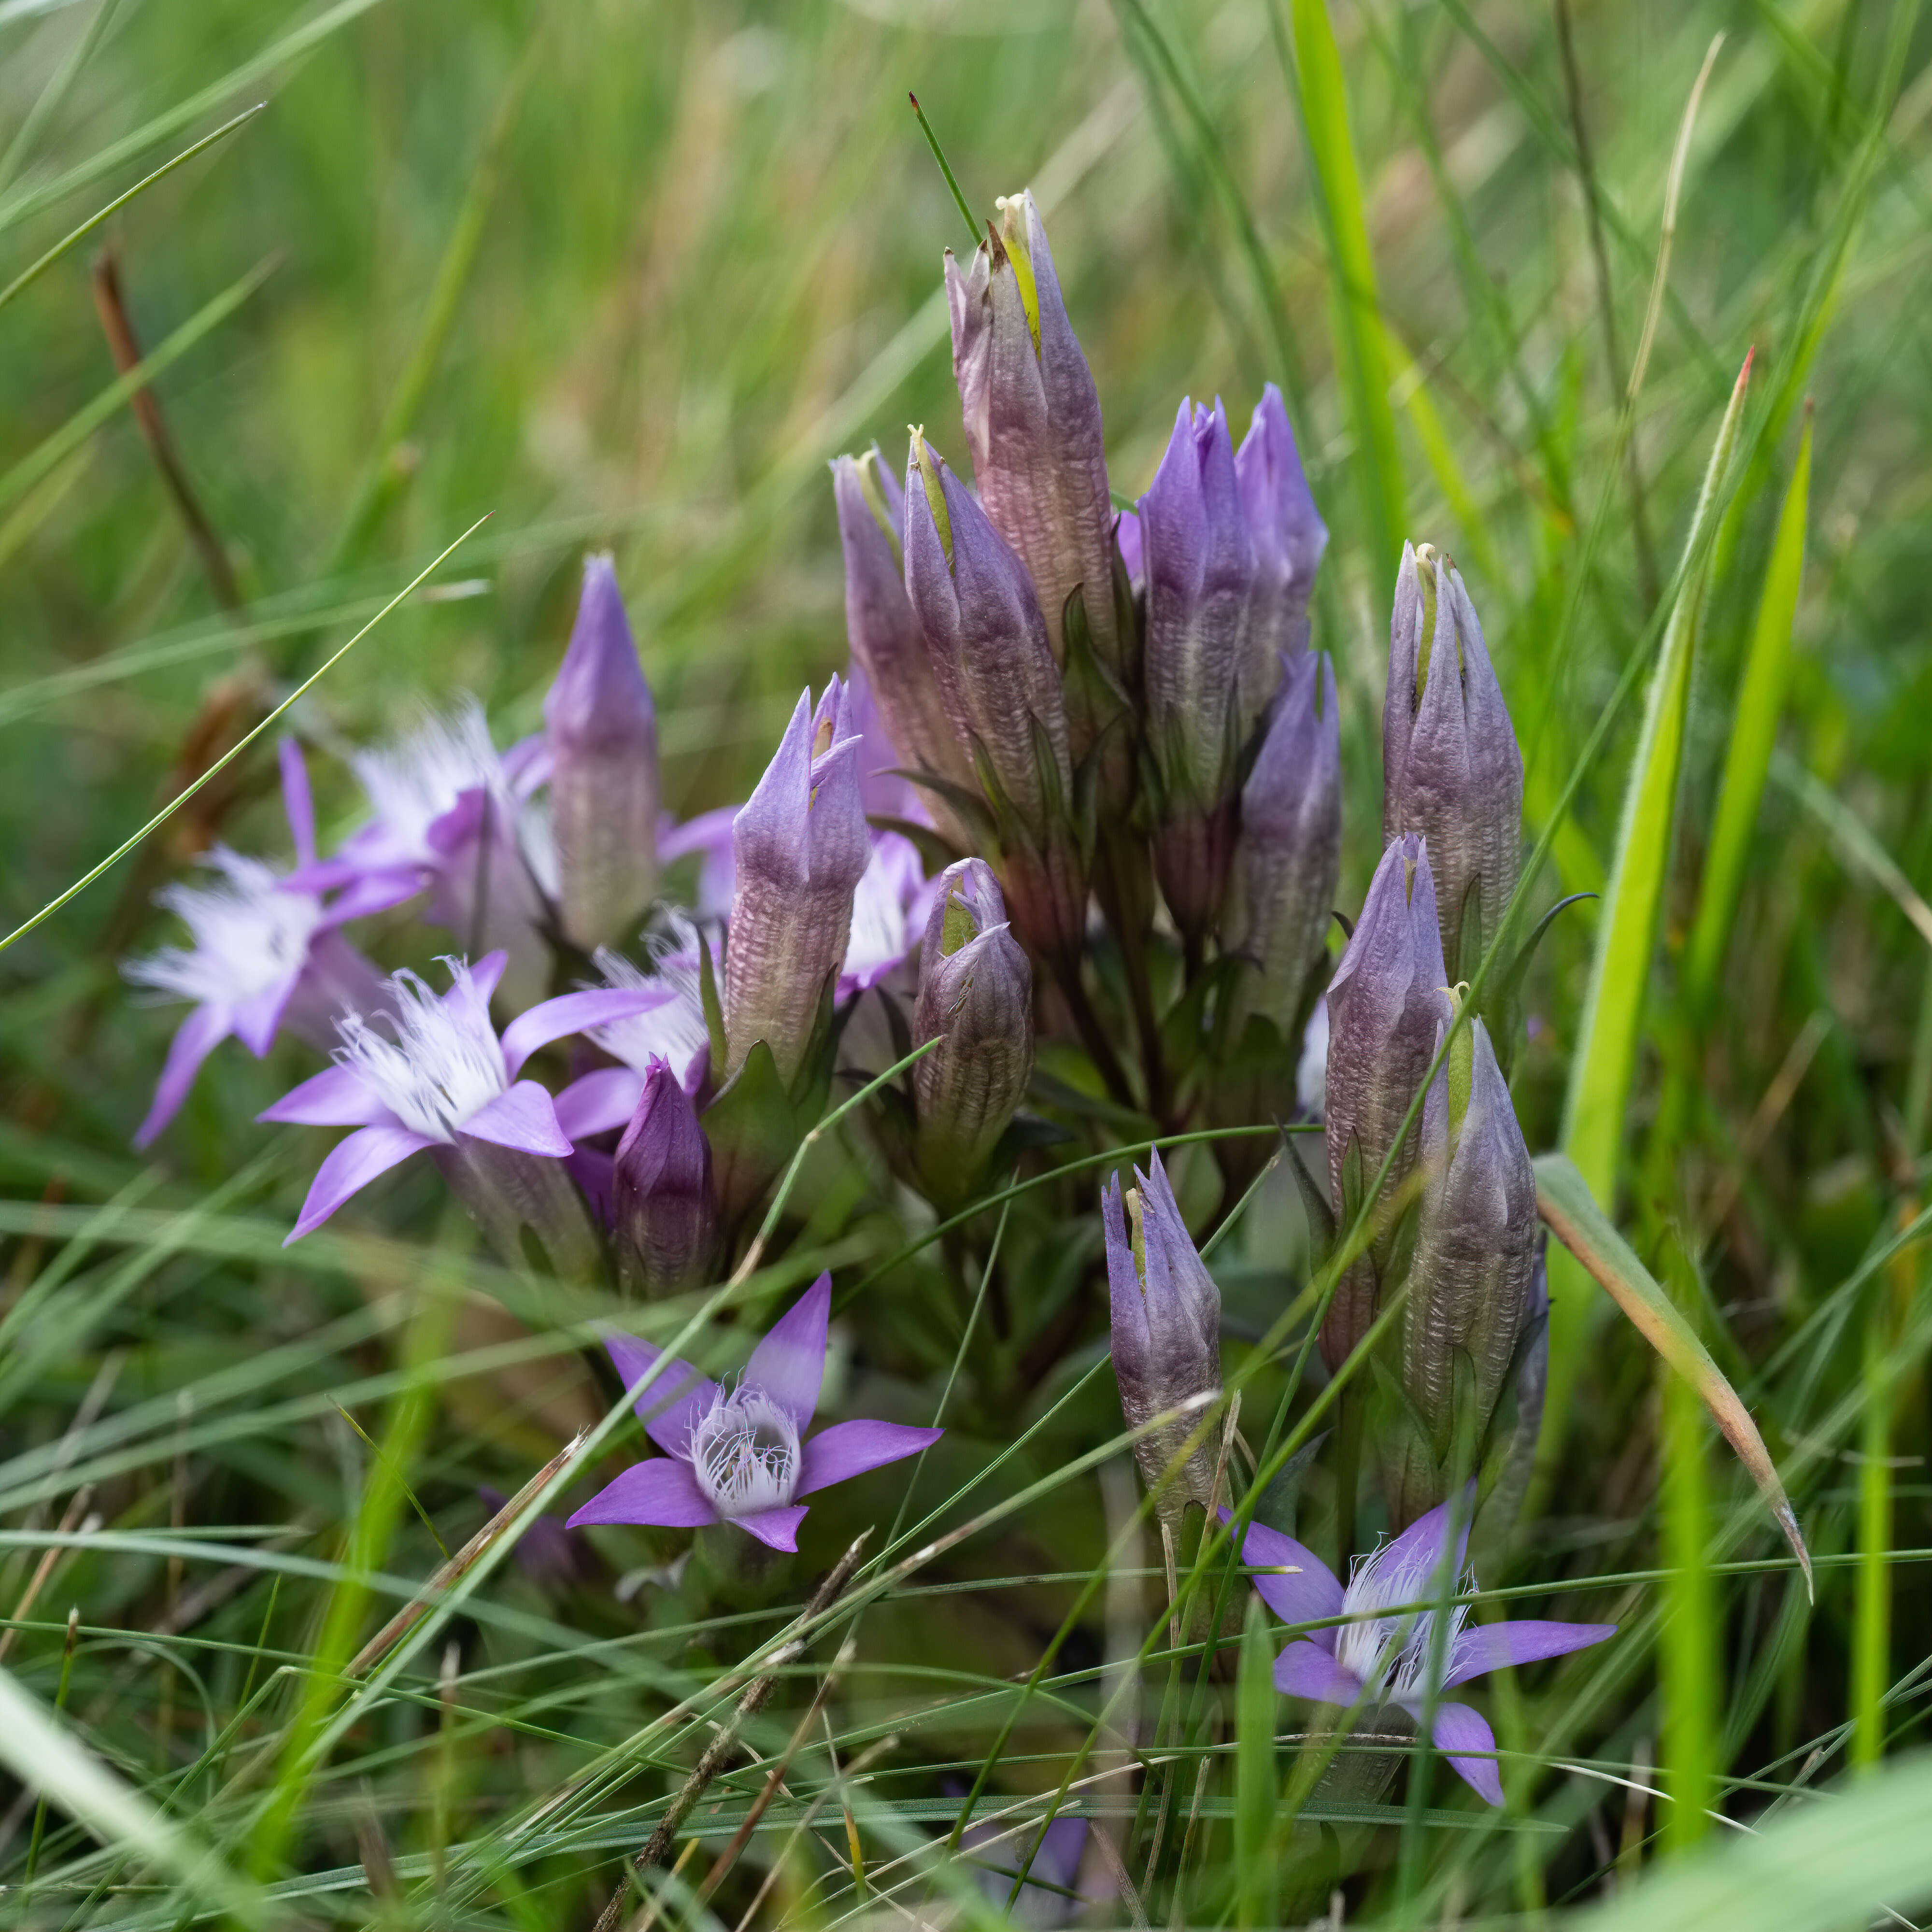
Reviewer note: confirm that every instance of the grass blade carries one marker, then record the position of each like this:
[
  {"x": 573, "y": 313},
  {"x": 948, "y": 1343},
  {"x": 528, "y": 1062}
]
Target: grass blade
[
  {"x": 1754, "y": 734},
  {"x": 1607, "y": 1029},
  {"x": 1359, "y": 347},
  {"x": 1254, "y": 1784},
  {"x": 1564, "y": 1200}
]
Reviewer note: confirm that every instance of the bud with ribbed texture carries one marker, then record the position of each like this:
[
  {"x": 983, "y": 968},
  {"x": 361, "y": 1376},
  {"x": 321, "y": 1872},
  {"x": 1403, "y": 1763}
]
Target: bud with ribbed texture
[
  {"x": 800, "y": 843},
  {"x": 1451, "y": 770},
  {"x": 975, "y": 999},
  {"x": 1032, "y": 423},
  {"x": 1385, "y": 1004},
  {"x": 887, "y": 643},
  {"x": 1288, "y": 858},
  {"x": 1469, "y": 1283},
  {"x": 1166, "y": 1339},
  {"x": 1287, "y": 529},
  {"x": 603, "y": 735},
  {"x": 664, "y": 1207},
  {"x": 1002, "y": 690},
  {"x": 1205, "y": 684}
]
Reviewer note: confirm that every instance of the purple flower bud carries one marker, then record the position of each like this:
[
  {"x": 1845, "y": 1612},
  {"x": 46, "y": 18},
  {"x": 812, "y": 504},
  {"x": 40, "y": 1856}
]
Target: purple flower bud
[
  {"x": 887, "y": 643},
  {"x": 1166, "y": 1337},
  {"x": 663, "y": 1209},
  {"x": 800, "y": 843},
  {"x": 1469, "y": 1284},
  {"x": 1002, "y": 690},
  {"x": 1033, "y": 422},
  {"x": 1384, "y": 1005},
  {"x": 603, "y": 737},
  {"x": 976, "y": 998},
  {"x": 1451, "y": 770},
  {"x": 1289, "y": 535},
  {"x": 1205, "y": 684},
  {"x": 1288, "y": 859}
]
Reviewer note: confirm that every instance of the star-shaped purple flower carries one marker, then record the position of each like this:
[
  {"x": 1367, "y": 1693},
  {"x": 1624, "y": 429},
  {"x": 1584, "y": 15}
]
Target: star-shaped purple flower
[
  {"x": 444, "y": 1074},
  {"x": 1383, "y": 1655},
  {"x": 268, "y": 952},
  {"x": 740, "y": 1454}
]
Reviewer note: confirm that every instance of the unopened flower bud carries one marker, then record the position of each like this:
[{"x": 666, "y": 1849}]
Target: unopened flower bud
[
  {"x": 1469, "y": 1284},
  {"x": 1451, "y": 770},
  {"x": 603, "y": 735},
  {"x": 887, "y": 643},
  {"x": 975, "y": 999},
  {"x": 1002, "y": 691},
  {"x": 1385, "y": 1004},
  {"x": 664, "y": 1207},
  {"x": 800, "y": 845},
  {"x": 1033, "y": 422},
  {"x": 1205, "y": 684},
  {"x": 1288, "y": 858},
  {"x": 1287, "y": 529},
  {"x": 1166, "y": 1314}
]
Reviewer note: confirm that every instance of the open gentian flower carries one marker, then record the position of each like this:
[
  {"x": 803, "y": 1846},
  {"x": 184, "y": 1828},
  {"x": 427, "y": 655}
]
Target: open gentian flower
[
  {"x": 1383, "y": 1656},
  {"x": 444, "y": 1076},
  {"x": 740, "y": 1454},
  {"x": 268, "y": 952}
]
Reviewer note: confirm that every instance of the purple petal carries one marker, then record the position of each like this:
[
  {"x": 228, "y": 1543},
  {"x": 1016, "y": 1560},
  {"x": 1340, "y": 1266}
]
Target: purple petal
[
  {"x": 1305, "y": 1670},
  {"x": 297, "y": 801},
  {"x": 257, "y": 1021},
  {"x": 1494, "y": 1645},
  {"x": 777, "y": 1527},
  {"x": 364, "y": 893},
  {"x": 672, "y": 1402},
  {"x": 1458, "y": 1728},
  {"x": 850, "y": 1448},
  {"x": 1418, "y": 1551},
  {"x": 789, "y": 1364},
  {"x": 1309, "y": 1593},
  {"x": 483, "y": 977},
  {"x": 598, "y": 1101},
  {"x": 197, "y": 1037},
  {"x": 593, "y": 1172},
  {"x": 662, "y": 1493},
  {"x": 335, "y": 1097},
  {"x": 710, "y": 832},
  {"x": 1127, "y": 530},
  {"x": 527, "y": 764},
  {"x": 572, "y": 1013},
  {"x": 351, "y": 1165},
  {"x": 523, "y": 1118}
]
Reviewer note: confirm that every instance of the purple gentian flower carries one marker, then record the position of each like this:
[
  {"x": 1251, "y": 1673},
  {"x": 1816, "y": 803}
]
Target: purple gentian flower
[
  {"x": 1383, "y": 1656},
  {"x": 1289, "y": 535},
  {"x": 268, "y": 952},
  {"x": 889, "y": 905},
  {"x": 709, "y": 835},
  {"x": 740, "y": 1454},
  {"x": 995, "y": 1849},
  {"x": 444, "y": 1075}
]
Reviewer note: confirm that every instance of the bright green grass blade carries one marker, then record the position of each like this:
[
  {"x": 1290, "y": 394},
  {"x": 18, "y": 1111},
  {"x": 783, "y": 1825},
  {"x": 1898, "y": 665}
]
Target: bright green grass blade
[
  {"x": 1440, "y": 454},
  {"x": 1753, "y": 733},
  {"x": 1564, "y": 1200},
  {"x": 1871, "y": 1616},
  {"x": 1359, "y": 349},
  {"x": 1256, "y": 1785},
  {"x": 1607, "y": 1029},
  {"x": 1837, "y": 1862}
]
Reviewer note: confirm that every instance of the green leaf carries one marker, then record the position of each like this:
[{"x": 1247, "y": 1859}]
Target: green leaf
[
  {"x": 1607, "y": 1030},
  {"x": 752, "y": 1129},
  {"x": 1360, "y": 347},
  {"x": 1564, "y": 1200},
  {"x": 1255, "y": 1787},
  {"x": 1754, "y": 734}
]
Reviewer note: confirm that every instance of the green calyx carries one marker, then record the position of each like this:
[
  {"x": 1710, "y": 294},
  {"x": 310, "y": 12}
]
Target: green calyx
[
  {"x": 935, "y": 496},
  {"x": 1460, "y": 1067}
]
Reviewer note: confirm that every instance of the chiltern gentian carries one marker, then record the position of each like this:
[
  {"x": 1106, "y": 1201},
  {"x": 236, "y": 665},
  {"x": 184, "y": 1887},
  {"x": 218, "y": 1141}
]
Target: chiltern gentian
[
  {"x": 268, "y": 952},
  {"x": 1289, "y": 534},
  {"x": 740, "y": 1454},
  {"x": 1382, "y": 1656},
  {"x": 603, "y": 739},
  {"x": 975, "y": 999},
  {"x": 1384, "y": 1002},
  {"x": 1032, "y": 423},
  {"x": 444, "y": 1080},
  {"x": 664, "y": 1207},
  {"x": 1166, "y": 1315},
  {"x": 1451, "y": 770},
  {"x": 801, "y": 845}
]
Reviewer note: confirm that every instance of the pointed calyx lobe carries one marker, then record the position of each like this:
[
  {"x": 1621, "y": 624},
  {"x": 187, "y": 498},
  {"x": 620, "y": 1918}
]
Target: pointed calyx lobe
[
  {"x": 1452, "y": 773},
  {"x": 1033, "y": 422}
]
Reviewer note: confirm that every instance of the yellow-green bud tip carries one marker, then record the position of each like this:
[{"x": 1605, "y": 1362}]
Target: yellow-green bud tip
[{"x": 935, "y": 496}]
